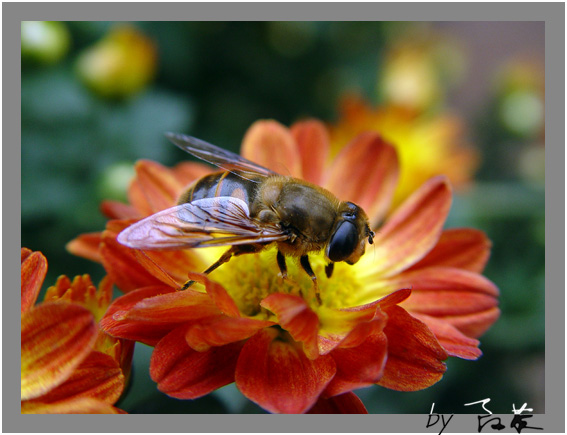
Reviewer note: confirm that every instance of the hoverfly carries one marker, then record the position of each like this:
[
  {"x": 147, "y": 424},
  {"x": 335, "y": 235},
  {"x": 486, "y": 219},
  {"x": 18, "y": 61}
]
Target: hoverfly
[{"x": 249, "y": 207}]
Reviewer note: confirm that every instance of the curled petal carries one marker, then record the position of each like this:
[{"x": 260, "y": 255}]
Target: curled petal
[
  {"x": 360, "y": 366},
  {"x": 295, "y": 316},
  {"x": 394, "y": 298},
  {"x": 86, "y": 246},
  {"x": 56, "y": 338},
  {"x": 454, "y": 295},
  {"x": 415, "y": 357},
  {"x": 463, "y": 248},
  {"x": 33, "y": 270},
  {"x": 363, "y": 330},
  {"x": 185, "y": 373},
  {"x": 339, "y": 324},
  {"x": 116, "y": 322},
  {"x": 179, "y": 306},
  {"x": 312, "y": 141},
  {"x": 271, "y": 145},
  {"x": 151, "y": 316},
  {"x": 453, "y": 341},
  {"x": 25, "y": 253},
  {"x": 475, "y": 324},
  {"x": 413, "y": 229},
  {"x": 221, "y": 330},
  {"x": 347, "y": 403},
  {"x": 366, "y": 173},
  {"x": 273, "y": 371},
  {"x": 218, "y": 294},
  {"x": 83, "y": 405},
  {"x": 99, "y": 377}
]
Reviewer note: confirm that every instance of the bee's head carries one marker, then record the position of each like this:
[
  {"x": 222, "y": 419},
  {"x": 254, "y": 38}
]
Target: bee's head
[{"x": 348, "y": 240}]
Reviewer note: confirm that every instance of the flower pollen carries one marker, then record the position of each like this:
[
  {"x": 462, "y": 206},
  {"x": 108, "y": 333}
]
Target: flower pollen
[{"x": 252, "y": 277}]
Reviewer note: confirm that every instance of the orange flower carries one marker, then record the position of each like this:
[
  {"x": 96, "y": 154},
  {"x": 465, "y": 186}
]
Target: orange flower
[
  {"x": 391, "y": 319},
  {"x": 69, "y": 366},
  {"x": 427, "y": 145}
]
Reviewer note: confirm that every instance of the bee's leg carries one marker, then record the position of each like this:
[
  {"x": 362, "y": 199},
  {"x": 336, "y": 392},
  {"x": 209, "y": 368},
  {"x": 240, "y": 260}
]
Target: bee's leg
[
  {"x": 329, "y": 269},
  {"x": 281, "y": 263},
  {"x": 304, "y": 261},
  {"x": 223, "y": 259}
]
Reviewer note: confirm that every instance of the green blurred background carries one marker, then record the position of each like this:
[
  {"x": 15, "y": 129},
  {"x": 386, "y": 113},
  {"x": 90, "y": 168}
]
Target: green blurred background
[{"x": 96, "y": 98}]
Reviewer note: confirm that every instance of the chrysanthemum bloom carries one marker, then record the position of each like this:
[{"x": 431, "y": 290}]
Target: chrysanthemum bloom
[
  {"x": 427, "y": 144},
  {"x": 69, "y": 366},
  {"x": 415, "y": 298}
]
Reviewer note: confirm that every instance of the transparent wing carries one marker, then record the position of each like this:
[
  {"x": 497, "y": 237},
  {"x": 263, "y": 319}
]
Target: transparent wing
[
  {"x": 205, "y": 222},
  {"x": 217, "y": 156}
]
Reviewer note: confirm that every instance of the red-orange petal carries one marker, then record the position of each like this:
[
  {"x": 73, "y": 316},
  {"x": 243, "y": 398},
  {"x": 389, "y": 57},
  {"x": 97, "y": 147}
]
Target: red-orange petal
[
  {"x": 295, "y": 316},
  {"x": 349, "y": 327},
  {"x": 415, "y": 357},
  {"x": 179, "y": 306},
  {"x": 463, "y": 248},
  {"x": 312, "y": 141},
  {"x": 84, "y": 405},
  {"x": 120, "y": 262},
  {"x": 188, "y": 172},
  {"x": 394, "y": 298},
  {"x": 275, "y": 373},
  {"x": 131, "y": 269},
  {"x": 221, "y": 330},
  {"x": 116, "y": 323},
  {"x": 337, "y": 324},
  {"x": 99, "y": 377},
  {"x": 33, "y": 270},
  {"x": 25, "y": 253},
  {"x": 363, "y": 330},
  {"x": 475, "y": 324},
  {"x": 450, "y": 294},
  {"x": 185, "y": 373},
  {"x": 155, "y": 188},
  {"x": 119, "y": 210},
  {"x": 218, "y": 294},
  {"x": 413, "y": 230},
  {"x": 56, "y": 337},
  {"x": 271, "y": 145},
  {"x": 453, "y": 341},
  {"x": 86, "y": 246},
  {"x": 138, "y": 200},
  {"x": 365, "y": 172},
  {"x": 347, "y": 403},
  {"x": 359, "y": 366}
]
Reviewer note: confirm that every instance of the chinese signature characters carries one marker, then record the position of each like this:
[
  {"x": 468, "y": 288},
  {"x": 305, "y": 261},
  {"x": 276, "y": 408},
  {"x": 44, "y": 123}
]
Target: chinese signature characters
[{"x": 518, "y": 421}]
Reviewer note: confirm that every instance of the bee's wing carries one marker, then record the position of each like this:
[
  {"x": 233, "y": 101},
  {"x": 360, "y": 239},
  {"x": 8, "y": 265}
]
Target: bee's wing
[
  {"x": 205, "y": 222},
  {"x": 217, "y": 156}
]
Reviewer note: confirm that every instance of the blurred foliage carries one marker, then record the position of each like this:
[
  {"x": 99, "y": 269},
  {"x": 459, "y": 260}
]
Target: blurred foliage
[{"x": 213, "y": 80}]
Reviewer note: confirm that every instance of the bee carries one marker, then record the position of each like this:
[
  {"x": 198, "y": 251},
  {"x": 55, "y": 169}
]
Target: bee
[{"x": 249, "y": 207}]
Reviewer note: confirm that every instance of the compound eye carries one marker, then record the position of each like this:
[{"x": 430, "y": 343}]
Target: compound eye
[{"x": 344, "y": 242}]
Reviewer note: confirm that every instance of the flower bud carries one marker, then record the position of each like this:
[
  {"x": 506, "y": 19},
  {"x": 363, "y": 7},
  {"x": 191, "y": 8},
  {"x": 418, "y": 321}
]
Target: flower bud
[{"x": 119, "y": 65}]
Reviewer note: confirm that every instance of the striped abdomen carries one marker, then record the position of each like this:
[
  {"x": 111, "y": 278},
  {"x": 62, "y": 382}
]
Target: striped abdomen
[{"x": 222, "y": 184}]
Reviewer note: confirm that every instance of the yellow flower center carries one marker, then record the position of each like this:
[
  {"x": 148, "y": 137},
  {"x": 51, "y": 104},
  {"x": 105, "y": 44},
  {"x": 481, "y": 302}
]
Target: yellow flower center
[{"x": 250, "y": 278}]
